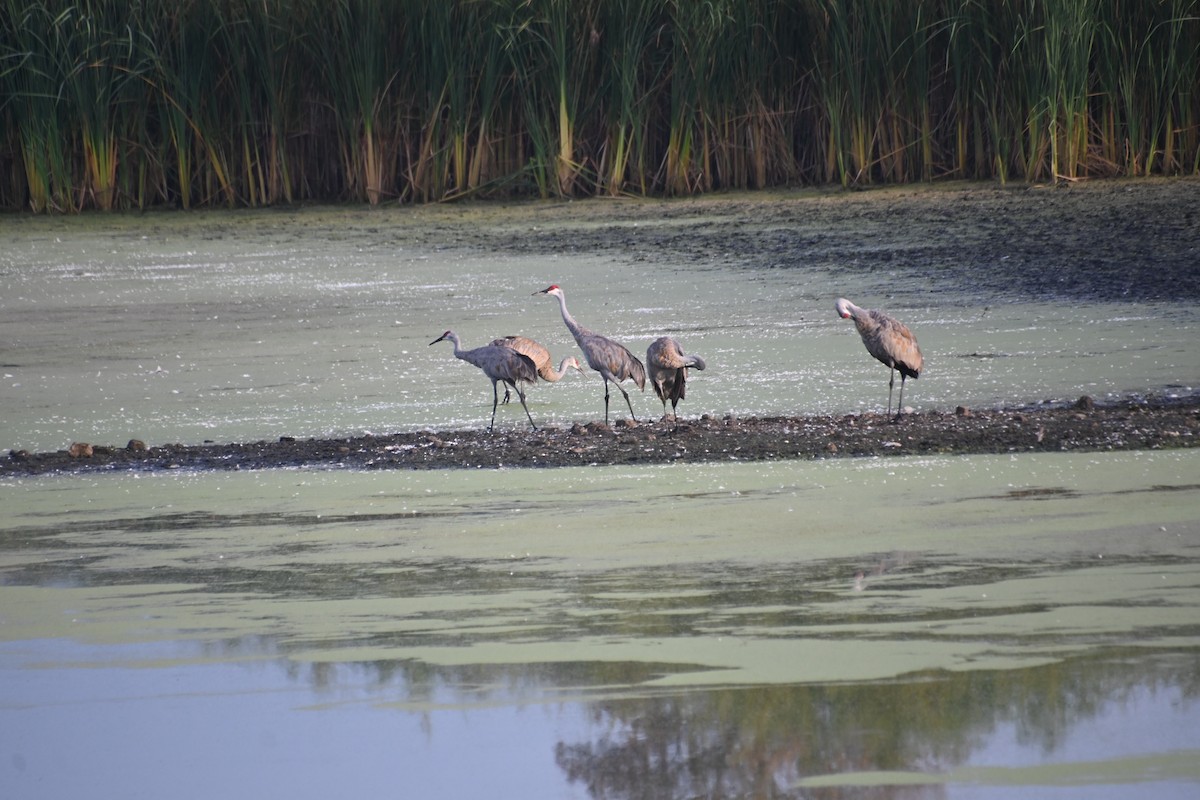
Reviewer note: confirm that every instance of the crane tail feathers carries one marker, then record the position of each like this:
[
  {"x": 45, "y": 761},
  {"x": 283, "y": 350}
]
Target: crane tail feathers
[
  {"x": 527, "y": 371},
  {"x": 679, "y": 388}
]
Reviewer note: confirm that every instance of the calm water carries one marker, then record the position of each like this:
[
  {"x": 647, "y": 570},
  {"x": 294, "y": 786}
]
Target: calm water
[{"x": 969, "y": 628}]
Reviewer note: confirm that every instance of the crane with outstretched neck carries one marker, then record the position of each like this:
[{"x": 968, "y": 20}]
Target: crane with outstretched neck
[{"x": 610, "y": 358}]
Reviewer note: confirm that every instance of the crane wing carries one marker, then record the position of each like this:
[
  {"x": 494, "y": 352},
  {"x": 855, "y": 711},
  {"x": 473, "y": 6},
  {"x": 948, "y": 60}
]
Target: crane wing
[
  {"x": 526, "y": 346},
  {"x": 605, "y": 355},
  {"x": 890, "y": 341},
  {"x": 523, "y": 368}
]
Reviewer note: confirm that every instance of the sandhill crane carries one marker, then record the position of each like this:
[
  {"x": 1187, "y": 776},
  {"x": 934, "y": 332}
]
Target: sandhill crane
[
  {"x": 499, "y": 364},
  {"x": 667, "y": 367},
  {"x": 611, "y": 359},
  {"x": 890, "y": 341},
  {"x": 541, "y": 359}
]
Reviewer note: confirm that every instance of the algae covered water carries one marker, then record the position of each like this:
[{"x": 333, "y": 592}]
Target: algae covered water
[
  {"x": 975, "y": 626},
  {"x": 236, "y": 327},
  {"x": 980, "y": 621}
]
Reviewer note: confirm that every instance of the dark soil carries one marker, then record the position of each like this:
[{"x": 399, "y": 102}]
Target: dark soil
[
  {"x": 1101, "y": 241},
  {"x": 1083, "y": 426}
]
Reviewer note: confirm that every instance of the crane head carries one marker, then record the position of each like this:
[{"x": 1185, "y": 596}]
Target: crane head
[
  {"x": 551, "y": 289},
  {"x": 443, "y": 337},
  {"x": 843, "y": 308},
  {"x": 572, "y": 361}
]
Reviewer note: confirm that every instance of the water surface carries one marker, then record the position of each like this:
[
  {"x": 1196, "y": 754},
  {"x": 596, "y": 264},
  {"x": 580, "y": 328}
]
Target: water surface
[
  {"x": 954, "y": 622},
  {"x": 930, "y": 627}
]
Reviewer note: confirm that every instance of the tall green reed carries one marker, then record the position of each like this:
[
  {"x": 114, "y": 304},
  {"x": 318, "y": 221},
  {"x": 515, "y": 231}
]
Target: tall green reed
[
  {"x": 103, "y": 83},
  {"x": 256, "y": 102},
  {"x": 631, "y": 43},
  {"x": 358, "y": 79},
  {"x": 32, "y": 74},
  {"x": 553, "y": 55}
]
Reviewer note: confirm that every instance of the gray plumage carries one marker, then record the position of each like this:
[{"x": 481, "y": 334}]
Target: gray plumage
[
  {"x": 611, "y": 359},
  {"x": 540, "y": 357},
  {"x": 667, "y": 366},
  {"x": 500, "y": 364},
  {"x": 890, "y": 341}
]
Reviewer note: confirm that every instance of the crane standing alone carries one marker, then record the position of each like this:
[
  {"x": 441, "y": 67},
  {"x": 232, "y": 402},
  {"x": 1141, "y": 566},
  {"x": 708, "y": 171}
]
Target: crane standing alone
[
  {"x": 668, "y": 366},
  {"x": 499, "y": 364},
  {"x": 611, "y": 359},
  {"x": 540, "y": 356},
  {"x": 890, "y": 341}
]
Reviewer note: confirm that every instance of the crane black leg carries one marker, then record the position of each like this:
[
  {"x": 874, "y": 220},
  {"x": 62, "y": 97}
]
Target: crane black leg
[
  {"x": 605, "y": 399},
  {"x": 891, "y": 383},
  {"x": 521, "y": 395},
  {"x": 900, "y": 405},
  {"x": 635, "y": 419},
  {"x": 492, "y": 424}
]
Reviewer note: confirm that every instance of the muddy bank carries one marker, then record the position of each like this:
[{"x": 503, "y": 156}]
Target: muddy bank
[
  {"x": 1102, "y": 240},
  {"x": 1155, "y": 424},
  {"x": 1106, "y": 241}
]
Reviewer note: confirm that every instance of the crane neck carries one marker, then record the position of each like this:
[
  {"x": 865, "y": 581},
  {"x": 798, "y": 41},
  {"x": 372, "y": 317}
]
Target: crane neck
[
  {"x": 458, "y": 351},
  {"x": 576, "y": 329},
  {"x": 561, "y": 372}
]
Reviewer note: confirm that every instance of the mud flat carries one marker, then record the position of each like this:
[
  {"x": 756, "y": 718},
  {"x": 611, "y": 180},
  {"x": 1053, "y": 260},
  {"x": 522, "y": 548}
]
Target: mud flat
[{"x": 1083, "y": 426}]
